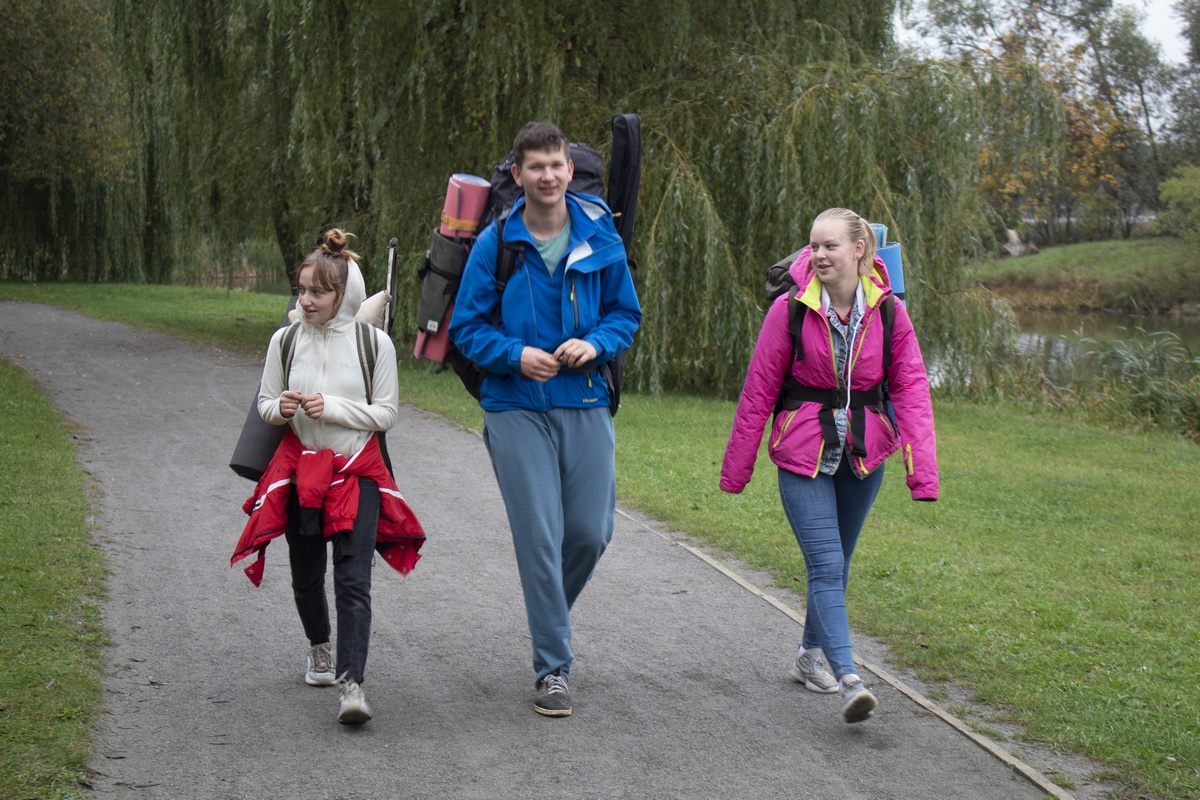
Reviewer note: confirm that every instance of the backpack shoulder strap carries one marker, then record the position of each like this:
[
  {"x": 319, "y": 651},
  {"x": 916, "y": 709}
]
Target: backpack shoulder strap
[
  {"x": 889, "y": 316},
  {"x": 368, "y": 350},
  {"x": 508, "y": 259},
  {"x": 287, "y": 350},
  {"x": 795, "y": 322}
]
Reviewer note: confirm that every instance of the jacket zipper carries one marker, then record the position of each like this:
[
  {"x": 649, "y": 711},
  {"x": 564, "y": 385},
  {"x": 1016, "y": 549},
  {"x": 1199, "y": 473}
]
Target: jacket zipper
[{"x": 574, "y": 305}]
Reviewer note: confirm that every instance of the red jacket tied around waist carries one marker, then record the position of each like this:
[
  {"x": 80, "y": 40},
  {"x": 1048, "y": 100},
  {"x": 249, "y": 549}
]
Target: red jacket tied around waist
[{"x": 328, "y": 481}]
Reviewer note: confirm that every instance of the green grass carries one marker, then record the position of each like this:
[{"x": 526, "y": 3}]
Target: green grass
[
  {"x": 1128, "y": 275},
  {"x": 50, "y": 578},
  {"x": 1057, "y": 577},
  {"x": 235, "y": 320}
]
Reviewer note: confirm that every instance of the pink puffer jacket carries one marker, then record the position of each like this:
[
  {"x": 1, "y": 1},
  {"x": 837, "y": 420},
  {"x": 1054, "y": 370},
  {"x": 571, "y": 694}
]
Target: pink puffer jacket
[{"x": 796, "y": 442}]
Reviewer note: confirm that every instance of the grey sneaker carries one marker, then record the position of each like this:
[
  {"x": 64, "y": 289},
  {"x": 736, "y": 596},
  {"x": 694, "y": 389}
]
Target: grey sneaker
[
  {"x": 320, "y": 666},
  {"x": 553, "y": 698},
  {"x": 352, "y": 703},
  {"x": 857, "y": 700},
  {"x": 810, "y": 670}
]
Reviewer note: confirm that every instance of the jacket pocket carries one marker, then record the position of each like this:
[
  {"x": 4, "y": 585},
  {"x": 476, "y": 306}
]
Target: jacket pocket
[
  {"x": 881, "y": 440},
  {"x": 796, "y": 441}
]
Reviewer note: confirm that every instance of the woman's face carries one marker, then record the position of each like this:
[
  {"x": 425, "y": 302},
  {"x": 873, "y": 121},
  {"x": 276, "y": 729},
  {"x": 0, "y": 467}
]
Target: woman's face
[
  {"x": 318, "y": 305},
  {"x": 834, "y": 256}
]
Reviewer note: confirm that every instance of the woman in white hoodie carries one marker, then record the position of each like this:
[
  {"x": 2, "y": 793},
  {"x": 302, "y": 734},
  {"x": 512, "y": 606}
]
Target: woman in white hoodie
[{"x": 334, "y": 417}]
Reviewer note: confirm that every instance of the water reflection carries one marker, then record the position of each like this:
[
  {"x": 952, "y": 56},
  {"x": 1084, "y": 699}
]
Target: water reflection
[
  {"x": 1107, "y": 327},
  {"x": 1056, "y": 340}
]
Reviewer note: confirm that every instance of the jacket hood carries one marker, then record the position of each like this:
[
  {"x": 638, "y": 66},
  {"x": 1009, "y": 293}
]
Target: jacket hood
[
  {"x": 352, "y": 300},
  {"x": 877, "y": 285}
]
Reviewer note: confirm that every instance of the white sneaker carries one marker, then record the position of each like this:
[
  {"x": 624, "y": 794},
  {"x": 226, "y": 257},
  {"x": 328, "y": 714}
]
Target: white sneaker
[
  {"x": 320, "y": 670},
  {"x": 857, "y": 700},
  {"x": 810, "y": 670},
  {"x": 352, "y": 703}
]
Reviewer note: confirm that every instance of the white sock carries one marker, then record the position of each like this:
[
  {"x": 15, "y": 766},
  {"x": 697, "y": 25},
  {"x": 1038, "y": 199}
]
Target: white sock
[{"x": 849, "y": 677}]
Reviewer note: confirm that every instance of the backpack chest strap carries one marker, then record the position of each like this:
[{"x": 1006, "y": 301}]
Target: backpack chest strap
[{"x": 795, "y": 394}]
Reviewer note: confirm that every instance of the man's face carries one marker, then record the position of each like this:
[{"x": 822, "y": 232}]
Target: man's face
[{"x": 544, "y": 176}]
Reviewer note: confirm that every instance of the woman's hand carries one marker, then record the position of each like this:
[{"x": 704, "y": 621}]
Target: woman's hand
[
  {"x": 288, "y": 403},
  {"x": 313, "y": 405}
]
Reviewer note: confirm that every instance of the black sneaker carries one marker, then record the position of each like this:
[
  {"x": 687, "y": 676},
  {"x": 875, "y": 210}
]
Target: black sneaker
[{"x": 553, "y": 698}]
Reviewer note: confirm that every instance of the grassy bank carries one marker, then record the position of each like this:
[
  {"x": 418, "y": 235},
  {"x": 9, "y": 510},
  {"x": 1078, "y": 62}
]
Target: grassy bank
[
  {"x": 1057, "y": 577},
  {"x": 1135, "y": 275},
  {"x": 50, "y": 577}
]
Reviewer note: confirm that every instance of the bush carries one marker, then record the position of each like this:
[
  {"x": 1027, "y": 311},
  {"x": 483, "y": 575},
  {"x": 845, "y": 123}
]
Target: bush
[{"x": 1181, "y": 196}]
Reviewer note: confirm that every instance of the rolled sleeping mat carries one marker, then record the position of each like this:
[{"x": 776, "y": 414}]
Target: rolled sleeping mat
[
  {"x": 890, "y": 254},
  {"x": 466, "y": 200},
  {"x": 258, "y": 440}
]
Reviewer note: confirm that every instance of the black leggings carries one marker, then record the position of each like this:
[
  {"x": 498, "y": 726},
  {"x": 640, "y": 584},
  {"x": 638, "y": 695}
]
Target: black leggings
[{"x": 353, "y": 552}]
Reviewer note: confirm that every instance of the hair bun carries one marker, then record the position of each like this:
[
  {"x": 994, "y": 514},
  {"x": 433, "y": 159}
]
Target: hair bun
[{"x": 335, "y": 241}]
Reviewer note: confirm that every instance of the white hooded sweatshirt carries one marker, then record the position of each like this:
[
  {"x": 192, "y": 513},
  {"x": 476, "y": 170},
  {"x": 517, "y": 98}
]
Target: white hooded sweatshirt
[{"x": 326, "y": 361}]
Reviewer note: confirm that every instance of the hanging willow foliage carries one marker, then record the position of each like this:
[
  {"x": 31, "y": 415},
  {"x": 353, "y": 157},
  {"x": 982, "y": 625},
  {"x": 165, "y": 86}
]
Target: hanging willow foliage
[
  {"x": 281, "y": 118},
  {"x": 65, "y": 199}
]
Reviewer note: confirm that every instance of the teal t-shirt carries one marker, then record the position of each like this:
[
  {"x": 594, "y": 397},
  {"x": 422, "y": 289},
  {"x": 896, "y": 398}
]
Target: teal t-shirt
[{"x": 553, "y": 249}]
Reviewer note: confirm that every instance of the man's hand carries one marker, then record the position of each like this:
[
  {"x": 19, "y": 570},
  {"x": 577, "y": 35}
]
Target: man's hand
[
  {"x": 538, "y": 365},
  {"x": 574, "y": 353}
]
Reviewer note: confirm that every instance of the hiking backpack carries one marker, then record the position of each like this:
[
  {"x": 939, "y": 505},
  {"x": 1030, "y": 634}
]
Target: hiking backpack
[
  {"x": 447, "y": 257},
  {"x": 779, "y": 281}
]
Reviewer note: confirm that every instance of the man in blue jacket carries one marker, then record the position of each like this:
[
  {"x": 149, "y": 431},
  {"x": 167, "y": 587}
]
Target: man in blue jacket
[{"x": 568, "y": 308}]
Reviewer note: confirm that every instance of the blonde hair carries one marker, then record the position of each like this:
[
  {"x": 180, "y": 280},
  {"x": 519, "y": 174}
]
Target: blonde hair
[
  {"x": 330, "y": 263},
  {"x": 858, "y": 230}
]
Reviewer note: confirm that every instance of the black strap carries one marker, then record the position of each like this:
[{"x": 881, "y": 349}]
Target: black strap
[
  {"x": 368, "y": 348},
  {"x": 509, "y": 258},
  {"x": 795, "y": 322},
  {"x": 794, "y": 393},
  {"x": 889, "y": 316},
  {"x": 287, "y": 349}
]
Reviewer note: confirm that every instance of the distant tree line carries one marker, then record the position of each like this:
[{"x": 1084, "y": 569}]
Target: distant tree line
[{"x": 1125, "y": 117}]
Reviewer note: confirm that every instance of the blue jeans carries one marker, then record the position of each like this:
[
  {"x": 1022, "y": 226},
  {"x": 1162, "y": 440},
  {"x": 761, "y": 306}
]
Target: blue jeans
[
  {"x": 353, "y": 553},
  {"x": 827, "y": 513},
  {"x": 557, "y": 473}
]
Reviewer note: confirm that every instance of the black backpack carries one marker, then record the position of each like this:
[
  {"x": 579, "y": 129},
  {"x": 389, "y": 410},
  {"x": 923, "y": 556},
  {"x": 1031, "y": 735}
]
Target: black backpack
[{"x": 446, "y": 259}]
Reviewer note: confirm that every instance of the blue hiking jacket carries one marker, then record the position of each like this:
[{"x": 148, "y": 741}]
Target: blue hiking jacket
[{"x": 590, "y": 296}]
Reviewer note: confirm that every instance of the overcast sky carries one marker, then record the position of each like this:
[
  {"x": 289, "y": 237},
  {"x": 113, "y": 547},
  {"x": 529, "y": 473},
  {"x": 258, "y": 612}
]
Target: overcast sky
[
  {"x": 1163, "y": 26},
  {"x": 1160, "y": 25}
]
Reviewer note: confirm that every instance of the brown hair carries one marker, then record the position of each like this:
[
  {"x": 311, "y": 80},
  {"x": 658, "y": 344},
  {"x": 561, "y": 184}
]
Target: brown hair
[
  {"x": 330, "y": 263},
  {"x": 539, "y": 136},
  {"x": 858, "y": 229}
]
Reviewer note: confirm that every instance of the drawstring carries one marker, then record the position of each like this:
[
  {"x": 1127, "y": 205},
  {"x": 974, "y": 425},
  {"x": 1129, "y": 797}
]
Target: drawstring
[{"x": 860, "y": 302}]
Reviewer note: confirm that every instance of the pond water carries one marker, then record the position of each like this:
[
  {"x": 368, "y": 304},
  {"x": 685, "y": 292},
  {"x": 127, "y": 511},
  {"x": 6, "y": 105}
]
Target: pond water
[
  {"x": 1054, "y": 339},
  {"x": 1105, "y": 327}
]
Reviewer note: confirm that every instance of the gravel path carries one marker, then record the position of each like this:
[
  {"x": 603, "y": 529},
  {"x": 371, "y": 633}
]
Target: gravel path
[{"x": 680, "y": 681}]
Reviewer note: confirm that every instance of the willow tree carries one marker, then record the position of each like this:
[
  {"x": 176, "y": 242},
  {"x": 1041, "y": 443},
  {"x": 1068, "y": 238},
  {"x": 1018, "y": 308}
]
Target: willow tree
[
  {"x": 285, "y": 117},
  {"x": 64, "y": 184},
  {"x": 743, "y": 173}
]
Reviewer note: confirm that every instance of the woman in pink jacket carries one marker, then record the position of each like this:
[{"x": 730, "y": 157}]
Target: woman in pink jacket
[{"x": 829, "y": 444}]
